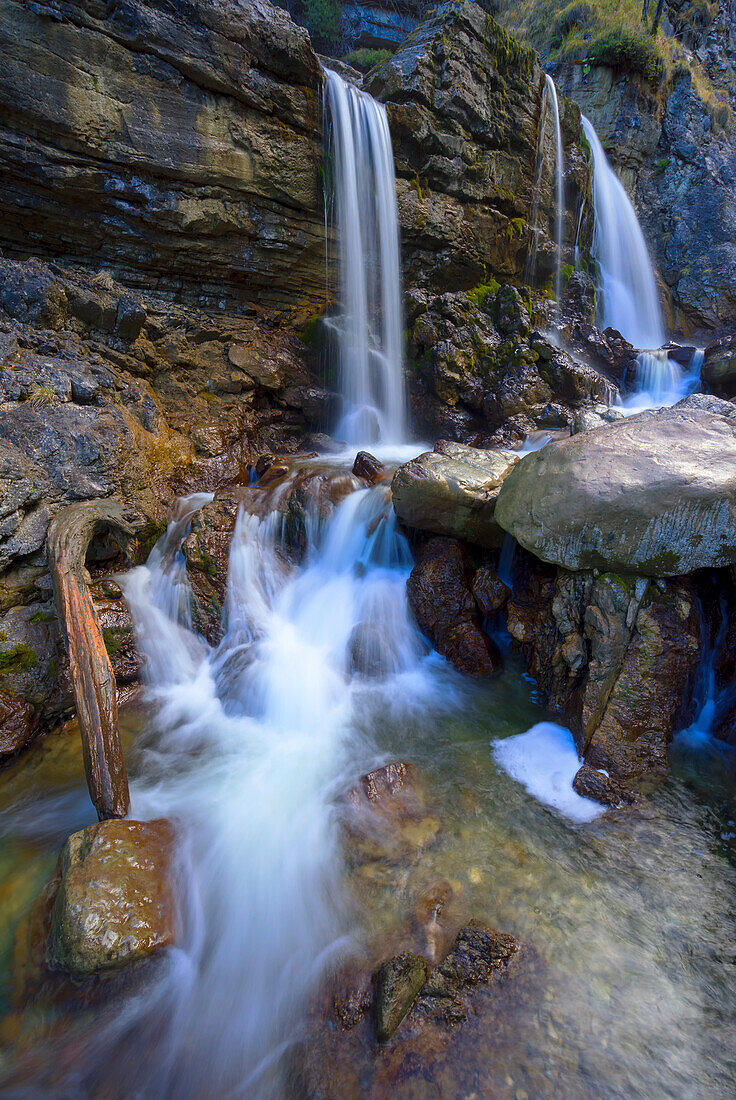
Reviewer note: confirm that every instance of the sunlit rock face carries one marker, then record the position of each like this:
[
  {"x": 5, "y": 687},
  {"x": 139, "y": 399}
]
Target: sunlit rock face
[
  {"x": 652, "y": 495},
  {"x": 177, "y": 145}
]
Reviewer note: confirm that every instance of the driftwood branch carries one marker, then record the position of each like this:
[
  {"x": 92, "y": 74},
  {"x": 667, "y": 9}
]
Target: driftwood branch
[{"x": 93, "y": 680}]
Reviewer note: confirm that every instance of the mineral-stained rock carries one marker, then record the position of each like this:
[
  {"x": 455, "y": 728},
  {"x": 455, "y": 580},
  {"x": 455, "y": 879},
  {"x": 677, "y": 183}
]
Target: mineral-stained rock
[
  {"x": 115, "y": 904},
  {"x": 654, "y": 494},
  {"x": 398, "y": 982},
  {"x": 453, "y": 493},
  {"x": 387, "y": 816},
  {"x": 441, "y": 598},
  {"x": 367, "y": 467}
]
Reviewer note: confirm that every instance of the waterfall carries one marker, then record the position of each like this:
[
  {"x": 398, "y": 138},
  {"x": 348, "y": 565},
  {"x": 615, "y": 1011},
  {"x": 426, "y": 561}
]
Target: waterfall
[
  {"x": 361, "y": 203},
  {"x": 627, "y": 287},
  {"x": 559, "y": 183},
  {"x": 549, "y": 95}
]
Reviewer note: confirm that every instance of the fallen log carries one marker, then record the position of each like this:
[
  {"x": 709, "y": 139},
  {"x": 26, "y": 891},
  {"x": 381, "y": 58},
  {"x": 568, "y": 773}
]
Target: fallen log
[{"x": 93, "y": 680}]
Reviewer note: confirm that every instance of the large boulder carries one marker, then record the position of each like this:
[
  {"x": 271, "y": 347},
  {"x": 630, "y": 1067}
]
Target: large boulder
[
  {"x": 115, "y": 904},
  {"x": 718, "y": 372},
  {"x": 653, "y": 495},
  {"x": 453, "y": 492}
]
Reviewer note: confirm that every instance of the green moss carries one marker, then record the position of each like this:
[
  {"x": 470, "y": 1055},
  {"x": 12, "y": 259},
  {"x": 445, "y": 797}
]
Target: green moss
[
  {"x": 666, "y": 562},
  {"x": 479, "y": 293},
  {"x": 417, "y": 187},
  {"x": 20, "y": 658},
  {"x": 366, "y": 59},
  {"x": 309, "y": 331},
  {"x": 114, "y": 638},
  {"x": 42, "y": 617},
  {"x": 661, "y": 166}
]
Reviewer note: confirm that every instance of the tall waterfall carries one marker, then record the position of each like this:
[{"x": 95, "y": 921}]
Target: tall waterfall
[
  {"x": 362, "y": 206},
  {"x": 559, "y": 182},
  {"x": 549, "y": 95},
  {"x": 628, "y": 289}
]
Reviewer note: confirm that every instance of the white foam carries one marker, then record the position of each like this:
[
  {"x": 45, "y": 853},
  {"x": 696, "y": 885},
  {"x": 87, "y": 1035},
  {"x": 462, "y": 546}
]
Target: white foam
[{"x": 544, "y": 760}]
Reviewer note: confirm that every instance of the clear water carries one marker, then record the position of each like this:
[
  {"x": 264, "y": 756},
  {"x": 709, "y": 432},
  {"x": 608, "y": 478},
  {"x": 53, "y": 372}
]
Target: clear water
[{"x": 248, "y": 748}]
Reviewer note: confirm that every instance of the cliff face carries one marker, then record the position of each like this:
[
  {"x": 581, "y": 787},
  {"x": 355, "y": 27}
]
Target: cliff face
[
  {"x": 175, "y": 143},
  {"x": 464, "y": 101}
]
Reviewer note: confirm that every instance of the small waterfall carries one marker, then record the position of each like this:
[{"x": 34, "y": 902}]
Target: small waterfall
[
  {"x": 549, "y": 95},
  {"x": 361, "y": 202},
  {"x": 628, "y": 290},
  {"x": 559, "y": 183}
]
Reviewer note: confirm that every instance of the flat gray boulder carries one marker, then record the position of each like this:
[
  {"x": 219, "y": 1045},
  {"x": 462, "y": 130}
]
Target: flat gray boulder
[
  {"x": 453, "y": 492},
  {"x": 654, "y": 494}
]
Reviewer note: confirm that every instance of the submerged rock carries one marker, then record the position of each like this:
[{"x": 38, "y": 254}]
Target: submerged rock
[
  {"x": 654, "y": 494},
  {"x": 596, "y": 784},
  {"x": 115, "y": 903},
  {"x": 441, "y": 598},
  {"x": 397, "y": 984},
  {"x": 454, "y": 492}
]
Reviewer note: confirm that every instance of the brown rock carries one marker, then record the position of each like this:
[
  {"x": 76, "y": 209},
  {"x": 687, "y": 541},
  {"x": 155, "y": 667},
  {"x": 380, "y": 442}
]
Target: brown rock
[
  {"x": 368, "y": 467},
  {"x": 398, "y": 982},
  {"x": 115, "y": 904},
  {"x": 18, "y": 724},
  {"x": 489, "y": 591},
  {"x": 440, "y": 596}
]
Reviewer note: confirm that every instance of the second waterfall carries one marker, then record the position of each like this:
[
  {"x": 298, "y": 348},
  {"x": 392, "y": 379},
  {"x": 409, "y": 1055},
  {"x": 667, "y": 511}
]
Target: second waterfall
[{"x": 368, "y": 325}]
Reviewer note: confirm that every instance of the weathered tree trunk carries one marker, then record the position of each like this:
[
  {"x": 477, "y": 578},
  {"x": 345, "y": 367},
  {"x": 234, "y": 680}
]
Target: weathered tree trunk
[
  {"x": 93, "y": 680},
  {"x": 645, "y": 12}
]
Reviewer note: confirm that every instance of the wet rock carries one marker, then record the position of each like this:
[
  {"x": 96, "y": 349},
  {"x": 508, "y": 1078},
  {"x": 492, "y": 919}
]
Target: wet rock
[
  {"x": 441, "y": 598},
  {"x": 352, "y": 994},
  {"x": 115, "y": 903},
  {"x": 207, "y": 555},
  {"x": 489, "y": 591},
  {"x": 592, "y": 783},
  {"x": 430, "y": 918},
  {"x": 718, "y": 372},
  {"x": 453, "y": 493},
  {"x": 367, "y": 651},
  {"x": 398, "y": 982},
  {"x": 367, "y": 467},
  {"x": 654, "y": 494},
  {"x": 18, "y": 723},
  {"x": 387, "y": 816},
  {"x": 616, "y": 654}
]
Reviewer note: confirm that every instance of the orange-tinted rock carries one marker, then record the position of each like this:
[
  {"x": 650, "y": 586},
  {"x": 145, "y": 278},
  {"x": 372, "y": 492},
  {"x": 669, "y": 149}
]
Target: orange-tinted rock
[
  {"x": 368, "y": 467},
  {"x": 489, "y": 591},
  {"x": 388, "y": 816},
  {"x": 115, "y": 903}
]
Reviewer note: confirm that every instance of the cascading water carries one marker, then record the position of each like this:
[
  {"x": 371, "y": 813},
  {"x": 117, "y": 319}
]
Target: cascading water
[
  {"x": 559, "y": 183},
  {"x": 629, "y": 300},
  {"x": 368, "y": 326},
  {"x": 549, "y": 96}
]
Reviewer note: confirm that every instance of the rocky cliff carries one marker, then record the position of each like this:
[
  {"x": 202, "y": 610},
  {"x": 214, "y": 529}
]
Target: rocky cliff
[{"x": 175, "y": 144}]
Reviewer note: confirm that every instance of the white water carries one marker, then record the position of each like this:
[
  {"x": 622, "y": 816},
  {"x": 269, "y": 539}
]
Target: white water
[
  {"x": 559, "y": 183},
  {"x": 544, "y": 760},
  {"x": 369, "y": 324},
  {"x": 254, "y": 743},
  {"x": 628, "y": 294},
  {"x": 661, "y": 382}
]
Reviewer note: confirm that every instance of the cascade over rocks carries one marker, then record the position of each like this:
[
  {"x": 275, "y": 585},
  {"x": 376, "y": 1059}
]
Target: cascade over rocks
[
  {"x": 654, "y": 494},
  {"x": 718, "y": 372}
]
